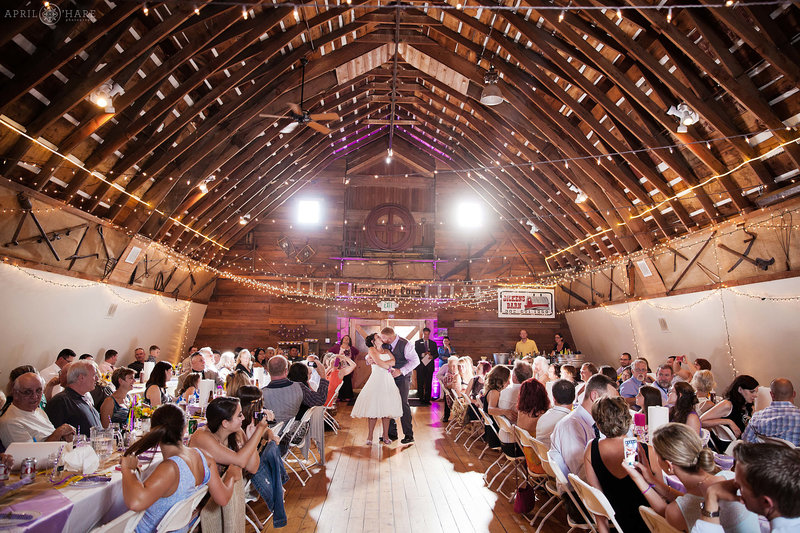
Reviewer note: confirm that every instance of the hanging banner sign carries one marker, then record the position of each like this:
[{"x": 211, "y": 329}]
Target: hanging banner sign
[{"x": 526, "y": 303}]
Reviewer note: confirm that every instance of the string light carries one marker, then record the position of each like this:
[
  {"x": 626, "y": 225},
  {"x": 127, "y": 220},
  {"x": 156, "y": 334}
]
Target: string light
[{"x": 116, "y": 186}]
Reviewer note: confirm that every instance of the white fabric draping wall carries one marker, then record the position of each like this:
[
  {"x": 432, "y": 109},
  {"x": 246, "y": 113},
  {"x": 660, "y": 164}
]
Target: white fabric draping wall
[
  {"x": 42, "y": 312},
  {"x": 764, "y": 334}
]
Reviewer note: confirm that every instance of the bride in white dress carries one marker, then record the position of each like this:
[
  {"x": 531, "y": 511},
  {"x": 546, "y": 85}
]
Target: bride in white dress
[{"x": 380, "y": 397}]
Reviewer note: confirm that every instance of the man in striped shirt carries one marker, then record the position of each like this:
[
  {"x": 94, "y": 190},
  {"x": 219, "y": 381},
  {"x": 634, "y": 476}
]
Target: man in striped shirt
[{"x": 780, "y": 420}]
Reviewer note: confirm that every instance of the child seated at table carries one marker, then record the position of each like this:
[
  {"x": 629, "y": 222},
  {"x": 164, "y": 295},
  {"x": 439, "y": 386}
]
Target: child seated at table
[{"x": 182, "y": 471}]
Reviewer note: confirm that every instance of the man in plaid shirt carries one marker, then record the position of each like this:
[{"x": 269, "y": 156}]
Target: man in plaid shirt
[{"x": 781, "y": 419}]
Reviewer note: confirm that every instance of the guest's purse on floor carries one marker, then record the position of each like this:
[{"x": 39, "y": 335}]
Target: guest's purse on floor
[{"x": 524, "y": 499}]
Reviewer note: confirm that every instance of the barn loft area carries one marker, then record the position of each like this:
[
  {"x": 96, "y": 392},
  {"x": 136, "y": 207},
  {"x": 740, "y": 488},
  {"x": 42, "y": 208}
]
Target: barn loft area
[{"x": 293, "y": 165}]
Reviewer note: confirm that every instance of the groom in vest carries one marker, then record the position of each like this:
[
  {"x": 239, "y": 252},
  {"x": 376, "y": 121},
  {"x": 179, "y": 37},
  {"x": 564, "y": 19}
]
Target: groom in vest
[{"x": 405, "y": 361}]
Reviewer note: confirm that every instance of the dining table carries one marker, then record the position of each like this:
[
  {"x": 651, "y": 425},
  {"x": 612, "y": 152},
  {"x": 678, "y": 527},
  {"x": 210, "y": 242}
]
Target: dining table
[{"x": 68, "y": 504}]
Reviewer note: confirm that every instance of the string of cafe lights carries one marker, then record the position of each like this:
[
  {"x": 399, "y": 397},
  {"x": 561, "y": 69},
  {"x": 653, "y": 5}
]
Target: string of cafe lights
[
  {"x": 550, "y": 281},
  {"x": 179, "y": 308},
  {"x": 97, "y": 175},
  {"x": 677, "y": 196}
]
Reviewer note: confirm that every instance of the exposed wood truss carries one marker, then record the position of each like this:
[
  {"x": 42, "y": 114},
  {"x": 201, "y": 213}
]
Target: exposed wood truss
[{"x": 586, "y": 107}]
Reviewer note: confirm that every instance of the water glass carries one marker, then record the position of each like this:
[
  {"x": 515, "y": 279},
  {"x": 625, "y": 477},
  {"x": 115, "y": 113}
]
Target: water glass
[{"x": 102, "y": 441}]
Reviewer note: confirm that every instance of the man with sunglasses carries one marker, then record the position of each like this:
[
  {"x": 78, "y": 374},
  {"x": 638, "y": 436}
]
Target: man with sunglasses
[{"x": 25, "y": 421}]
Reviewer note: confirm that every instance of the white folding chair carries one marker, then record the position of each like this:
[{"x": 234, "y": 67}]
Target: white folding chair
[
  {"x": 705, "y": 436},
  {"x": 476, "y": 424},
  {"x": 526, "y": 442},
  {"x": 775, "y": 440},
  {"x": 182, "y": 513},
  {"x": 488, "y": 424},
  {"x": 250, "y": 514},
  {"x": 510, "y": 460},
  {"x": 550, "y": 485},
  {"x": 561, "y": 479},
  {"x": 296, "y": 437},
  {"x": 125, "y": 523},
  {"x": 655, "y": 522},
  {"x": 594, "y": 500}
]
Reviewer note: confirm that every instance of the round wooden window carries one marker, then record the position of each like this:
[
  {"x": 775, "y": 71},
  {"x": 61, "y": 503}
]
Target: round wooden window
[{"x": 390, "y": 227}]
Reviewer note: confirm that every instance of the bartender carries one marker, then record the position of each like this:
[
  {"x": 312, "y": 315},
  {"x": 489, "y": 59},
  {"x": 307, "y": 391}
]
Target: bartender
[
  {"x": 560, "y": 347},
  {"x": 525, "y": 346}
]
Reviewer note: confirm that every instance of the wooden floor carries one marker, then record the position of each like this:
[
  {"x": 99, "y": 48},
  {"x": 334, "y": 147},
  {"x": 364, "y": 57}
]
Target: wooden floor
[{"x": 432, "y": 486}]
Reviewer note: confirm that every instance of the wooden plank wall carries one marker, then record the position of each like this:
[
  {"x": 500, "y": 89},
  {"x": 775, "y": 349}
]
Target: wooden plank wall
[{"x": 241, "y": 316}]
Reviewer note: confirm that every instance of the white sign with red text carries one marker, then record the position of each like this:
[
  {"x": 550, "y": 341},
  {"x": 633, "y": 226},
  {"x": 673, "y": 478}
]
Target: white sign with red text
[{"x": 526, "y": 303}]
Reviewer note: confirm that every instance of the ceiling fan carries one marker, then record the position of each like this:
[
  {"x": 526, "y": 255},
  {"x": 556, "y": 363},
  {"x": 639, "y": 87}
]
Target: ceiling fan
[{"x": 300, "y": 115}]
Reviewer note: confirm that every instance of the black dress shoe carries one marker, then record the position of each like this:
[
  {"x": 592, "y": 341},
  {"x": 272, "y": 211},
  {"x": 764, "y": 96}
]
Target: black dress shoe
[
  {"x": 407, "y": 440},
  {"x": 393, "y": 437}
]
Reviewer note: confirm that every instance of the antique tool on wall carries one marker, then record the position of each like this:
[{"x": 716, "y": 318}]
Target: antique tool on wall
[
  {"x": 27, "y": 209},
  {"x": 749, "y": 241},
  {"x": 763, "y": 264},
  {"x": 161, "y": 282},
  {"x": 692, "y": 261},
  {"x": 74, "y": 257},
  {"x": 111, "y": 261},
  {"x": 707, "y": 271}
]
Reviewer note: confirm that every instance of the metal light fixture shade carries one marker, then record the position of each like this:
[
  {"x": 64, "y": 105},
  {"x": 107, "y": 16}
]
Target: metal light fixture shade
[
  {"x": 491, "y": 94},
  {"x": 686, "y": 116}
]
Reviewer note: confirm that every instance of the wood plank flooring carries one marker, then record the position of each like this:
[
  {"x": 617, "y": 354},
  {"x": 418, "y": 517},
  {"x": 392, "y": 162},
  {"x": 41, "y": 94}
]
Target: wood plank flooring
[{"x": 432, "y": 486}]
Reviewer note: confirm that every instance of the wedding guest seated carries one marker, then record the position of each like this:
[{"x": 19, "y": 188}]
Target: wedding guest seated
[
  {"x": 704, "y": 385},
  {"x": 138, "y": 365},
  {"x": 630, "y": 388},
  {"x": 224, "y": 439},
  {"x": 466, "y": 369},
  {"x": 507, "y": 405},
  {"x": 766, "y": 482},
  {"x": 624, "y": 362},
  {"x": 608, "y": 371},
  {"x": 684, "y": 406},
  {"x": 102, "y": 389},
  {"x": 680, "y": 453},
  {"x": 627, "y": 373},
  {"x": 563, "y": 397},
  {"x": 531, "y": 404},
  {"x": 474, "y": 388},
  {"x": 155, "y": 353},
  {"x": 570, "y": 373},
  {"x": 664, "y": 380},
  {"x": 648, "y": 396},
  {"x": 271, "y": 474},
  {"x": 497, "y": 380},
  {"x": 451, "y": 381},
  {"x": 554, "y": 372},
  {"x": 540, "y": 369},
  {"x": 9, "y": 390},
  {"x": 189, "y": 389},
  {"x": 259, "y": 357},
  {"x": 70, "y": 405},
  {"x": 155, "y": 390},
  {"x": 603, "y": 460},
  {"x": 115, "y": 408},
  {"x": 226, "y": 365},
  {"x": 735, "y": 410},
  {"x": 685, "y": 370},
  {"x": 235, "y": 381},
  {"x": 781, "y": 419},
  {"x": 283, "y": 396},
  {"x": 109, "y": 362},
  {"x": 574, "y": 431},
  {"x": 56, "y": 384},
  {"x": 182, "y": 471},
  {"x": 64, "y": 356},
  {"x": 85, "y": 357},
  {"x": 587, "y": 370},
  {"x": 197, "y": 365},
  {"x": 24, "y": 420},
  {"x": 244, "y": 362}
]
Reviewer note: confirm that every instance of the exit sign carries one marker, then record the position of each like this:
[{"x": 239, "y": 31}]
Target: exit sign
[{"x": 387, "y": 305}]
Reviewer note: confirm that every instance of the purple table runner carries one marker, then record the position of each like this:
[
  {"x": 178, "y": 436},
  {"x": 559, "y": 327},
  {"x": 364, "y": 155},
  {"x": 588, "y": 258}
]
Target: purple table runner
[{"x": 53, "y": 506}]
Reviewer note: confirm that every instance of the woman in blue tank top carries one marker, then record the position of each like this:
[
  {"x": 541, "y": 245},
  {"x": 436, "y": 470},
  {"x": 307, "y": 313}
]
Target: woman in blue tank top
[{"x": 182, "y": 471}]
